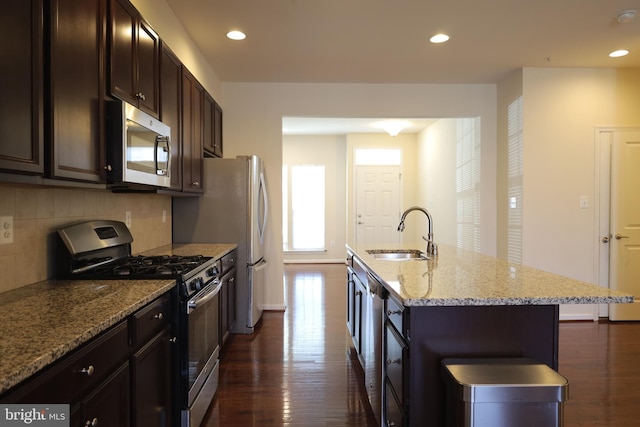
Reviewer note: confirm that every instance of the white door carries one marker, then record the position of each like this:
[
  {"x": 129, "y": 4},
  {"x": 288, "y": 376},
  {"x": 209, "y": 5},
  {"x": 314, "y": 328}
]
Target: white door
[
  {"x": 625, "y": 222},
  {"x": 377, "y": 205}
]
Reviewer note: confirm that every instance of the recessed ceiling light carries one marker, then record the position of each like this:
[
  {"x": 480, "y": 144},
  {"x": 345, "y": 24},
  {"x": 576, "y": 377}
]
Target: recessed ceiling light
[
  {"x": 625, "y": 15},
  {"x": 236, "y": 35},
  {"x": 439, "y": 38},
  {"x": 619, "y": 53}
]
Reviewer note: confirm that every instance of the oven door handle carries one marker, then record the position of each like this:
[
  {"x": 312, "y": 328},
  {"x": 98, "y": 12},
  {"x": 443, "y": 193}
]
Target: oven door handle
[{"x": 205, "y": 295}]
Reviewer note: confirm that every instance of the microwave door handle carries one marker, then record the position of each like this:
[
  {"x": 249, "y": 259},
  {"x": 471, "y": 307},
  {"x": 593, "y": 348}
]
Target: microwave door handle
[{"x": 167, "y": 148}]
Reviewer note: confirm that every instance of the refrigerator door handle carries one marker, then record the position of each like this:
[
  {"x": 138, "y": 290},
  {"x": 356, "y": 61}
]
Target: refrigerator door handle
[
  {"x": 263, "y": 192},
  {"x": 260, "y": 265}
]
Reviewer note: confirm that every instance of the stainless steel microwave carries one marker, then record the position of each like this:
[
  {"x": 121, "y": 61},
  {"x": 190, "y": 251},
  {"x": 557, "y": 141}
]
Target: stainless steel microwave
[{"x": 138, "y": 147}]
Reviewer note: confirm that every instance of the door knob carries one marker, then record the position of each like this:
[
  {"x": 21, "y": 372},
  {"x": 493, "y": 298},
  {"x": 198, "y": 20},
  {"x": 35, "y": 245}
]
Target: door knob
[
  {"x": 605, "y": 239},
  {"x": 620, "y": 236}
]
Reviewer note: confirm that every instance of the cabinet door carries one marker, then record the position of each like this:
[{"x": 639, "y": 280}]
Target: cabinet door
[
  {"x": 108, "y": 405},
  {"x": 21, "y": 86},
  {"x": 212, "y": 126},
  {"x": 217, "y": 130},
  {"x": 171, "y": 110},
  {"x": 77, "y": 87},
  {"x": 192, "y": 130},
  {"x": 152, "y": 382},
  {"x": 227, "y": 305},
  {"x": 122, "y": 72},
  {"x": 351, "y": 294},
  {"x": 360, "y": 294},
  {"x": 207, "y": 118},
  {"x": 148, "y": 50}
]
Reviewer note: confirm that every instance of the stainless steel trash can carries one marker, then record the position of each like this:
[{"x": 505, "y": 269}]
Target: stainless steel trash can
[{"x": 504, "y": 392}]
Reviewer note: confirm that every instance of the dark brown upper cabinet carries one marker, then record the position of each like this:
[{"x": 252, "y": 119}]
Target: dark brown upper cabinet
[
  {"x": 75, "y": 113},
  {"x": 134, "y": 58},
  {"x": 192, "y": 133},
  {"x": 171, "y": 109},
  {"x": 217, "y": 130},
  {"x": 21, "y": 86},
  {"x": 212, "y": 127}
]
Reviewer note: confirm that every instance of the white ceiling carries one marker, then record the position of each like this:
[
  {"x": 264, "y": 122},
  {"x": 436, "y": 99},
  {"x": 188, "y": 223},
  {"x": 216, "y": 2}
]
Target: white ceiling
[{"x": 386, "y": 41}]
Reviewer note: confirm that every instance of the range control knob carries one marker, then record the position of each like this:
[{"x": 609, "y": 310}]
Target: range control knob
[
  {"x": 213, "y": 271},
  {"x": 195, "y": 285}
]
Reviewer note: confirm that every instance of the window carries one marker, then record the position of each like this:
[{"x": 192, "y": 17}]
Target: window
[
  {"x": 468, "y": 183},
  {"x": 303, "y": 198},
  {"x": 377, "y": 156}
]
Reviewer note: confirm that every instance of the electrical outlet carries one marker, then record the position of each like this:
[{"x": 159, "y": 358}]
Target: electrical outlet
[
  {"x": 127, "y": 218},
  {"x": 164, "y": 216},
  {"x": 6, "y": 230}
]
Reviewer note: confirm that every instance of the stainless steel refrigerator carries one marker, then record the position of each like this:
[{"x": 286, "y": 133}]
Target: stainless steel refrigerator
[{"x": 233, "y": 209}]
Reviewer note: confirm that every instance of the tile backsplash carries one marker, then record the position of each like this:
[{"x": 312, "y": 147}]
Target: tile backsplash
[{"x": 39, "y": 211}]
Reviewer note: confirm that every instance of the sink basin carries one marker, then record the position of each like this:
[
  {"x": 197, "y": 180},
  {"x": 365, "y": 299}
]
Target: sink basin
[{"x": 398, "y": 254}]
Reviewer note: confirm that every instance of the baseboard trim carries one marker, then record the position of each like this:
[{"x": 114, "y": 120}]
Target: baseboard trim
[{"x": 314, "y": 261}]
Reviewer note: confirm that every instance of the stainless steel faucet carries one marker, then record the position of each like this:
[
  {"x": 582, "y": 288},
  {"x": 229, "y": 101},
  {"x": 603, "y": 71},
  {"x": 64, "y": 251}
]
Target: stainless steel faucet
[{"x": 432, "y": 248}]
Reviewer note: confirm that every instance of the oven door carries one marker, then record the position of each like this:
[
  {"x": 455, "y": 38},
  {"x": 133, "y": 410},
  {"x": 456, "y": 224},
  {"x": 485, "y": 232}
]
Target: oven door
[{"x": 203, "y": 342}]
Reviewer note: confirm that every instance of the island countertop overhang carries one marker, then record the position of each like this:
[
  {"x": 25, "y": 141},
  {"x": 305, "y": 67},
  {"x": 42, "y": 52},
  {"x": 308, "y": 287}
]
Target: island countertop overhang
[{"x": 457, "y": 277}]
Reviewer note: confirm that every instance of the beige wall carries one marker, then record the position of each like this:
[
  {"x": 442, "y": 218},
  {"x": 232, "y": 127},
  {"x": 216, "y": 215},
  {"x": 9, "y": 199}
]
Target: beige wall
[
  {"x": 330, "y": 151},
  {"x": 561, "y": 111},
  {"x": 253, "y": 115},
  {"x": 39, "y": 211},
  {"x": 437, "y": 178}
]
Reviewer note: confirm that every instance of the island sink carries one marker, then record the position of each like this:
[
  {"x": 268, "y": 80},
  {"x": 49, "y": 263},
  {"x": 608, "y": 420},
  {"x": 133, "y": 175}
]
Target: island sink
[{"x": 398, "y": 254}]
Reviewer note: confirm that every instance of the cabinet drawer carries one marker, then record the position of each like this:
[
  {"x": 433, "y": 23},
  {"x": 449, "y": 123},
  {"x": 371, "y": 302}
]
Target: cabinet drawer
[
  {"x": 228, "y": 261},
  {"x": 395, "y": 314},
  {"x": 151, "y": 319},
  {"x": 396, "y": 356},
  {"x": 394, "y": 416},
  {"x": 70, "y": 379}
]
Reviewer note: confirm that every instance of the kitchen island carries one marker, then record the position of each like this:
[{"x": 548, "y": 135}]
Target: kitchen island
[{"x": 458, "y": 304}]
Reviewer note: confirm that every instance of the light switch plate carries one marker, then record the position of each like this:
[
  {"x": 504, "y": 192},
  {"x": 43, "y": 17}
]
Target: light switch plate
[
  {"x": 127, "y": 218},
  {"x": 584, "y": 202}
]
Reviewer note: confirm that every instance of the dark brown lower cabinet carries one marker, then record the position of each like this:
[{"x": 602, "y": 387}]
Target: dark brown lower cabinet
[
  {"x": 123, "y": 377},
  {"x": 108, "y": 405},
  {"x": 151, "y": 367}
]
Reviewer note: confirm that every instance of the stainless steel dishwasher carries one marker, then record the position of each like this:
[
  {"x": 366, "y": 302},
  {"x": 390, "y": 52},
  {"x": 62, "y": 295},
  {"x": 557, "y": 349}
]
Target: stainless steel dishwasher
[{"x": 373, "y": 374}]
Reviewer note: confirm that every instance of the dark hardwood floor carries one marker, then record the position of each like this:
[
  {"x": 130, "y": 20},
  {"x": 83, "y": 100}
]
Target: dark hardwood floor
[{"x": 298, "y": 369}]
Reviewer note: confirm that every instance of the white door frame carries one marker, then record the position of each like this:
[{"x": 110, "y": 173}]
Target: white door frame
[{"x": 602, "y": 206}]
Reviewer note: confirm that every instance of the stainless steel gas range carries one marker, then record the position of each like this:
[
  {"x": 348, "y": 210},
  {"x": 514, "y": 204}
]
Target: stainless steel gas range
[{"x": 101, "y": 249}]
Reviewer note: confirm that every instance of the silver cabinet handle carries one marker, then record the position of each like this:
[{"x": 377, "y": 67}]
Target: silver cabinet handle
[
  {"x": 620, "y": 236},
  {"x": 107, "y": 168},
  {"x": 394, "y": 362},
  {"x": 195, "y": 184},
  {"x": 173, "y": 340},
  {"x": 140, "y": 95},
  {"x": 91, "y": 423},
  {"x": 159, "y": 316},
  {"x": 392, "y": 312},
  {"x": 87, "y": 371}
]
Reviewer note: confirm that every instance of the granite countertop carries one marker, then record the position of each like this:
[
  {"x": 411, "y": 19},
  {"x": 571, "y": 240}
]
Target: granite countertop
[
  {"x": 44, "y": 321},
  {"x": 457, "y": 277}
]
